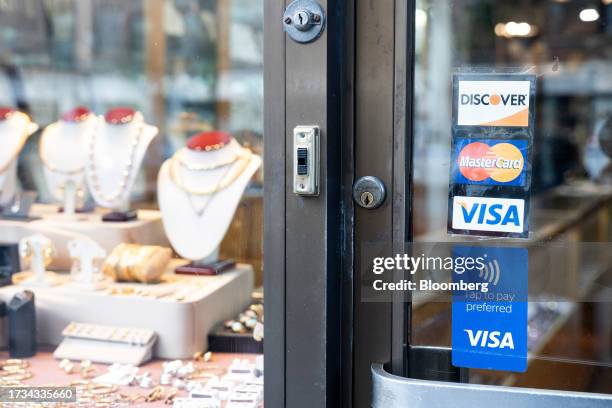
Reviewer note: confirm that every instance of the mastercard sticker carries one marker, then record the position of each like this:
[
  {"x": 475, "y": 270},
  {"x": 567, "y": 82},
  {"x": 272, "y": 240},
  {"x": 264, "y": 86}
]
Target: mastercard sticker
[{"x": 490, "y": 162}]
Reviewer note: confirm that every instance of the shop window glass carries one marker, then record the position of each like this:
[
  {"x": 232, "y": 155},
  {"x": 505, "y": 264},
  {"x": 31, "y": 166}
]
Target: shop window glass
[
  {"x": 185, "y": 68},
  {"x": 567, "y": 45}
]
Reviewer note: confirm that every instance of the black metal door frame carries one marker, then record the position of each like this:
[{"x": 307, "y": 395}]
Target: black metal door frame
[
  {"x": 304, "y": 236},
  {"x": 354, "y": 82}
]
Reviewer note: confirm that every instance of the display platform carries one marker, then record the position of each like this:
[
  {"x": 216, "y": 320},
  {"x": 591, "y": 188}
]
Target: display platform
[
  {"x": 147, "y": 229},
  {"x": 181, "y": 310}
]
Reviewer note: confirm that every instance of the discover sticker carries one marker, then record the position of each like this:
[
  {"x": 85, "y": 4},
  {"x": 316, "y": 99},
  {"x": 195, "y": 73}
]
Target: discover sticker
[{"x": 493, "y": 103}]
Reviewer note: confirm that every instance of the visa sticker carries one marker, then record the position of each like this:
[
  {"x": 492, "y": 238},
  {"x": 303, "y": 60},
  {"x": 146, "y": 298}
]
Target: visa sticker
[
  {"x": 490, "y": 162},
  {"x": 488, "y": 214},
  {"x": 489, "y": 328}
]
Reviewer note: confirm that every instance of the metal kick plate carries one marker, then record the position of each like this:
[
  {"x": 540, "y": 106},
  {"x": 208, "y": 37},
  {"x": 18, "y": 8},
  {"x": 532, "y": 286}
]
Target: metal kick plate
[{"x": 390, "y": 391}]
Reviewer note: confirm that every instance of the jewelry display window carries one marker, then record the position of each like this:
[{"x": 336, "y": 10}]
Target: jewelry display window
[{"x": 131, "y": 194}]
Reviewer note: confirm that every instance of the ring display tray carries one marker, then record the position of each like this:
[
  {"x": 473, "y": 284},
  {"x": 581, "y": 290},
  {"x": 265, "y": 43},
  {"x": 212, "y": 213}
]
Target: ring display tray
[{"x": 182, "y": 310}]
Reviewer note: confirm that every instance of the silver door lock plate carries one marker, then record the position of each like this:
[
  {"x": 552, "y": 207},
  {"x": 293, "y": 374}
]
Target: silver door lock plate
[
  {"x": 369, "y": 192},
  {"x": 304, "y": 20}
]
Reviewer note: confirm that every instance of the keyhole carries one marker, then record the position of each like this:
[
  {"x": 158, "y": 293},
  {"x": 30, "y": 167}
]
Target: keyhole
[
  {"x": 367, "y": 198},
  {"x": 302, "y": 20}
]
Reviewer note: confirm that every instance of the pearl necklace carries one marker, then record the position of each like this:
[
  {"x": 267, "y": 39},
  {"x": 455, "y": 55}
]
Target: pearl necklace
[
  {"x": 225, "y": 181},
  {"x": 126, "y": 174},
  {"x": 43, "y": 154}
]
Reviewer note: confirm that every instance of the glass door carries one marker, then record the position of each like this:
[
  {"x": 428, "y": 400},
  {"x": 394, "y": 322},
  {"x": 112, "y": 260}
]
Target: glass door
[{"x": 562, "y": 49}]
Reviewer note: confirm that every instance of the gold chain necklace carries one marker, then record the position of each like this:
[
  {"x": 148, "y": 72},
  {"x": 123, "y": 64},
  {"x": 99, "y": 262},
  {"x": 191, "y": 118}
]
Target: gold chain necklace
[
  {"x": 203, "y": 167},
  {"x": 224, "y": 182},
  {"x": 125, "y": 174},
  {"x": 190, "y": 197},
  {"x": 45, "y": 161}
]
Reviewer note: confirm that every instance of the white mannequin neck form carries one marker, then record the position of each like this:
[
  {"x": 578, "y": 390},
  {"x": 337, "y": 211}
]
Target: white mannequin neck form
[
  {"x": 113, "y": 146},
  {"x": 64, "y": 146},
  {"x": 14, "y": 132},
  {"x": 196, "y": 236}
]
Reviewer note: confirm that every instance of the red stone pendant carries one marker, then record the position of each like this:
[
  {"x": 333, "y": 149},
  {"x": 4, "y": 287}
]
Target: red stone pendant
[
  {"x": 6, "y": 113},
  {"x": 78, "y": 114},
  {"x": 207, "y": 141},
  {"x": 120, "y": 116}
]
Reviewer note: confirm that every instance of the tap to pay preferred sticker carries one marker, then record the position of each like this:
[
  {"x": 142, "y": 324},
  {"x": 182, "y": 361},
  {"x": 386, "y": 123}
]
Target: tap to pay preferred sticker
[{"x": 489, "y": 329}]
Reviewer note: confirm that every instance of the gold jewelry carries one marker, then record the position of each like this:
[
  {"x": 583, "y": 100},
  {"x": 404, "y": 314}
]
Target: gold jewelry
[
  {"x": 169, "y": 400},
  {"x": 23, "y": 138},
  {"x": 87, "y": 370},
  {"x": 155, "y": 395},
  {"x": 202, "y": 356},
  {"x": 203, "y": 167},
  {"x": 225, "y": 181},
  {"x": 13, "y": 371},
  {"x": 126, "y": 173},
  {"x": 14, "y": 362},
  {"x": 137, "y": 263},
  {"x": 20, "y": 376},
  {"x": 66, "y": 365},
  {"x": 26, "y": 251},
  {"x": 48, "y": 253}
]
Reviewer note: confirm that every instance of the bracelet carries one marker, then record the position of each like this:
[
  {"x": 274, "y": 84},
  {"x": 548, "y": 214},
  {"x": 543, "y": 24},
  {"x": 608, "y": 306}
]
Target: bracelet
[{"x": 137, "y": 263}]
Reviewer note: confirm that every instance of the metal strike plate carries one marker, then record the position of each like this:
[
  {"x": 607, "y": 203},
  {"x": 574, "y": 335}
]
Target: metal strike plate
[
  {"x": 369, "y": 192},
  {"x": 306, "y": 160},
  {"x": 304, "y": 20}
]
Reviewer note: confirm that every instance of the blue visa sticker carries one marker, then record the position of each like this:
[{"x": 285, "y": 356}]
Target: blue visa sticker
[
  {"x": 490, "y": 162},
  {"x": 489, "y": 323}
]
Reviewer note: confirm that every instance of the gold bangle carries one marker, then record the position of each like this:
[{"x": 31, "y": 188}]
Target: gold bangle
[
  {"x": 110, "y": 266},
  {"x": 143, "y": 254},
  {"x": 137, "y": 263}
]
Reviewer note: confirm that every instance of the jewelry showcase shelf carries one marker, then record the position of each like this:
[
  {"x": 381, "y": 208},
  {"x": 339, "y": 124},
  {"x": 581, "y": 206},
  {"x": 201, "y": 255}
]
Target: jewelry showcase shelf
[{"x": 181, "y": 310}]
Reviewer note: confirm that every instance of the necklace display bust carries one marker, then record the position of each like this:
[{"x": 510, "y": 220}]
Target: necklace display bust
[
  {"x": 63, "y": 152},
  {"x": 15, "y": 128},
  {"x": 199, "y": 189},
  {"x": 115, "y": 154}
]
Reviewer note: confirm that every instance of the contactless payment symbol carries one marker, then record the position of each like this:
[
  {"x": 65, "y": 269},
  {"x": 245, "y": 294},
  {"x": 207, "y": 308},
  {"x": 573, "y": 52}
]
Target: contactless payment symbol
[{"x": 490, "y": 162}]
